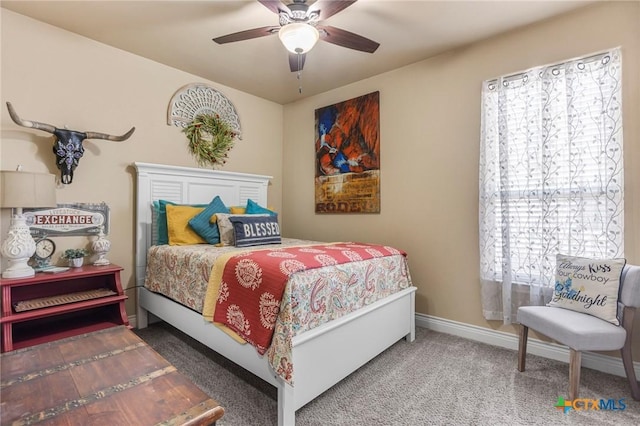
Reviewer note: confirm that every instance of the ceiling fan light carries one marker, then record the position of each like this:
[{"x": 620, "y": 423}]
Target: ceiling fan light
[{"x": 298, "y": 37}]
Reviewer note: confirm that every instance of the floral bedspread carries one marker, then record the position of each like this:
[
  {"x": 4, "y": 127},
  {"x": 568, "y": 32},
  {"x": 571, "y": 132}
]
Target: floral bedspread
[
  {"x": 311, "y": 298},
  {"x": 252, "y": 283}
]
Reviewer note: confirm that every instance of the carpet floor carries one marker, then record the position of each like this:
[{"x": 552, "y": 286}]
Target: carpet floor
[{"x": 439, "y": 379}]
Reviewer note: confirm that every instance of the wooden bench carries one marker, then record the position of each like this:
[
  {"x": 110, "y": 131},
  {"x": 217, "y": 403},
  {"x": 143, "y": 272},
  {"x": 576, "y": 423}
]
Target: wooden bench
[{"x": 106, "y": 377}]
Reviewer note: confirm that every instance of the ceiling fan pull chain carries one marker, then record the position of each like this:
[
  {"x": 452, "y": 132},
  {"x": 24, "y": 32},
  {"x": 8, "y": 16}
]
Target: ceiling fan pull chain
[{"x": 299, "y": 75}]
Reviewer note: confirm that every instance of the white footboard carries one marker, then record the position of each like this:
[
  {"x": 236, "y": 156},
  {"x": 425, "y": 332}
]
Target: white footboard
[{"x": 353, "y": 340}]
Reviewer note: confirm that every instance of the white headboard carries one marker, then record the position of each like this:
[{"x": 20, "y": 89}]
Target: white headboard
[{"x": 187, "y": 185}]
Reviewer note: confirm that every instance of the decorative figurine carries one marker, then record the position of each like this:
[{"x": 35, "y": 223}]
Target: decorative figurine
[{"x": 101, "y": 247}]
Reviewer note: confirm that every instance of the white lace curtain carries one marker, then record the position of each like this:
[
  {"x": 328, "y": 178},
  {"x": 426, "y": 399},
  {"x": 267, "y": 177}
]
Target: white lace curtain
[{"x": 551, "y": 177}]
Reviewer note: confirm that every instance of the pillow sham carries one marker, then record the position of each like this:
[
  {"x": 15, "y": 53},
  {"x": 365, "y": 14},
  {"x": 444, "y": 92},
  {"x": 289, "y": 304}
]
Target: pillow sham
[
  {"x": 180, "y": 233},
  {"x": 588, "y": 285},
  {"x": 161, "y": 219},
  {"x": 255, "y": 230},
  {"x": 202, "y": 225},
  {"x": 225, "y": 227},
  {"x": 154, "y": 223},
  {"x": 255, "y": 208}
]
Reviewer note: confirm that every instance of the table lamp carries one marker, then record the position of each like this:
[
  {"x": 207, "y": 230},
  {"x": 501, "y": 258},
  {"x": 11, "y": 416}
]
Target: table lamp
[{"x": 19, "y": 190}]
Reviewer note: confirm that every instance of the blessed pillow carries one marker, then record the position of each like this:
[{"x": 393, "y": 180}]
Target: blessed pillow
[
  {"x": 255, "y": 208},
  {"x": 202, "y": 225},
  {"x": 255, "y": 230},
  {"x": 588, "y": 285},
  {"x": 180, "y": 233},
  {"x": 225, "y": 227},
  {"x": 160, "y": 207}
]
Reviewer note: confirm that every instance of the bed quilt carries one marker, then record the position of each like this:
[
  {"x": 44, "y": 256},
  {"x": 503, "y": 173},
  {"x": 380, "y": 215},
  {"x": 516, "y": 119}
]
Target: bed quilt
[
  {"x": 252, "y": 283},
  {"x": 318, "y": 296}
]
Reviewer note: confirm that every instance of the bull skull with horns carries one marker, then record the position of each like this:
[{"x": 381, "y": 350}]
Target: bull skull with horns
[{"x": 68, "y": 143}]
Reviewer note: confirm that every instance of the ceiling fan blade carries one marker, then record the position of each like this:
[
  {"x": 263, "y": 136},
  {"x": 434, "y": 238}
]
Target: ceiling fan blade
[
  {"x": 274, "y": 5},
  {"x": 247, "y": 34},
  {"x": 329, "y": 8},
  {"x": 296, "y": 61},
  {"x": 347, "y": 39}
]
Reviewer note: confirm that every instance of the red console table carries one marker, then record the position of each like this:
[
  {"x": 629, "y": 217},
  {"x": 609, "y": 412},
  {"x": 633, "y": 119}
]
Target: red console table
[{"x": 49, "y": 306}]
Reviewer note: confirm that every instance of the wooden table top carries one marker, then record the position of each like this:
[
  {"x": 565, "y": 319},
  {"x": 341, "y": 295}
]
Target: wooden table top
[{"x": 108, "y": 377}]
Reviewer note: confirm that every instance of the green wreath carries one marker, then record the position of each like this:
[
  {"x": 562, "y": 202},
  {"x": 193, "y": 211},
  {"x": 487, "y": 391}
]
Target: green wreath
[{"x": 210, "y": 139}]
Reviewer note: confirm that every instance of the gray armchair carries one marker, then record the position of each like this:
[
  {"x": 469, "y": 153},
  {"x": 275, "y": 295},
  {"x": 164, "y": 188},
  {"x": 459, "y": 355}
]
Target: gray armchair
[{"x": 583, "y": 332}]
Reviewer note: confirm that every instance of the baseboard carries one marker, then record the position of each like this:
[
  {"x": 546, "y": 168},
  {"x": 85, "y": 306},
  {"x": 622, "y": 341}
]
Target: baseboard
[
  {"x": 133, "y": 321},
  {"x": 604, "y": 363}
]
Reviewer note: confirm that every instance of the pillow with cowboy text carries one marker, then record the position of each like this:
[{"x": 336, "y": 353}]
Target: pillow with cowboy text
[{"x": 588, "y": 285}]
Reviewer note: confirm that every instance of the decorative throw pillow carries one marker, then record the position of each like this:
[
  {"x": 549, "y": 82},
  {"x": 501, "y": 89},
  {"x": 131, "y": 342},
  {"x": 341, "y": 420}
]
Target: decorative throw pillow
[
  {"x": 154, "y": 222},
  {"x": 255, "y": 208},
  {"x": 161, "y": 219},
  {"x": 255, "y": 230},
  {"x": 201, "y": 223},
  {"x": 237, "y": 209},
  {"x": 227, "y": 237},
  {"x": 180, "y": 233},
  {"x": 588, "y": 285}
]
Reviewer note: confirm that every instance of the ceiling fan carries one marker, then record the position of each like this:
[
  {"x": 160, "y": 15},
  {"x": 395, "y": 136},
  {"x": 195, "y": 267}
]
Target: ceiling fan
[{"x": 301, "y": 26}]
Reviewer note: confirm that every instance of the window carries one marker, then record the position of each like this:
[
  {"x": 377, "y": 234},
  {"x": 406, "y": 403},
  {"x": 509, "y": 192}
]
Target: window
[{"x": 551, "y": 176}]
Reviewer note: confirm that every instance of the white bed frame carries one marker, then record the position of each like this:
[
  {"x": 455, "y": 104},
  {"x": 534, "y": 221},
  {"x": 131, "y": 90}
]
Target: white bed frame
[{"x": 322, "y": 356}]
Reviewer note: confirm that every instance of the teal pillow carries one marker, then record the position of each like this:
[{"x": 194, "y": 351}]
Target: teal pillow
[
  {"x": 201, "y": 223},
  {"x": 161, "y": 209},
  {"x": 255, "y": 208}
]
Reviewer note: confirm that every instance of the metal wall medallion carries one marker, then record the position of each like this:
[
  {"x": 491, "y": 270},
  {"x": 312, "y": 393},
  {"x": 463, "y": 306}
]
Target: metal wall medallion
[{"x": 194, "y": 99}]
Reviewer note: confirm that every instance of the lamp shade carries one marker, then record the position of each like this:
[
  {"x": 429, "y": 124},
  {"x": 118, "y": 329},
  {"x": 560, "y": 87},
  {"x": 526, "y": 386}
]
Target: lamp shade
[
  {"x": 25, "y": 189},
  {"x": 298, "y": 37}
]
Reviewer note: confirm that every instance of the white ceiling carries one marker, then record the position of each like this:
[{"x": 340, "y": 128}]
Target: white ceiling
[{"x": 179, "y": 33}]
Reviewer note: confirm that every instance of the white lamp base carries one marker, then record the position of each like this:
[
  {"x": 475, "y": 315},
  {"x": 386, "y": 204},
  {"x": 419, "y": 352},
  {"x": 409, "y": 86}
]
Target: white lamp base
[{"x": 18, "y": 249}]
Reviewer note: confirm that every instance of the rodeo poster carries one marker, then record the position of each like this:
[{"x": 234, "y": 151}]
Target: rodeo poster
[{"x": 347, "y": 146}]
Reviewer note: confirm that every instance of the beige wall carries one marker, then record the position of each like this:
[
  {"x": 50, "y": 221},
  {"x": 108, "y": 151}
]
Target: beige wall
[
  {"x": 430, "y": 129},
  {"x": 60, "y": 78}
]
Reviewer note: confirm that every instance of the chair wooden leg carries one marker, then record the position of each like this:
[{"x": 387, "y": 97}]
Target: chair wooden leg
[
  {"x": 574, "y": 373},
  {"x": 522, "y": 347},
  {"x": 627, "y": 357}
]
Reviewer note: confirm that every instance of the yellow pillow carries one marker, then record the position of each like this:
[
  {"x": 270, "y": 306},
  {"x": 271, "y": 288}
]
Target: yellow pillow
[{"x": 180, "y": 233}]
